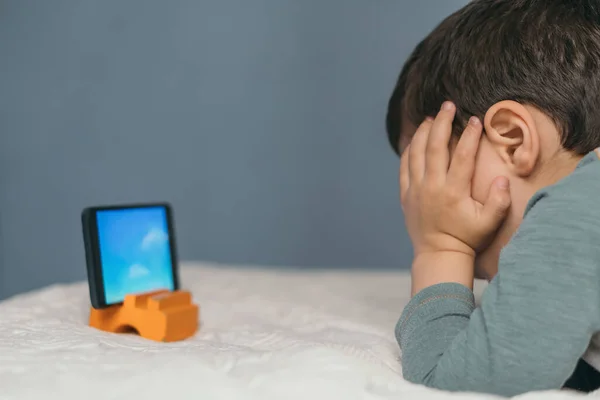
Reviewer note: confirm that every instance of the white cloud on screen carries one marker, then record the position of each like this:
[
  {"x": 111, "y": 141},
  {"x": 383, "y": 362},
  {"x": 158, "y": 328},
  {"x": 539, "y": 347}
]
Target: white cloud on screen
[
  {"x": 138, "y": 271},
  {"x": 155, "y": 236}
]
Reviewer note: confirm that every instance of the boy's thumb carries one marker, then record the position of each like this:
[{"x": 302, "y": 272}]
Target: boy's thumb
[{"x": 498, "y": 202}]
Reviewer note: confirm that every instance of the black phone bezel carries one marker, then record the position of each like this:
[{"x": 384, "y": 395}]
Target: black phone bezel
[{"x": 92, "y": 248}]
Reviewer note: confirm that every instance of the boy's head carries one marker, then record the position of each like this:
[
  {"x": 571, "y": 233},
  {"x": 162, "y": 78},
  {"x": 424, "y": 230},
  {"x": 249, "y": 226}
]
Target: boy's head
[{"x": 530, "y": 70}]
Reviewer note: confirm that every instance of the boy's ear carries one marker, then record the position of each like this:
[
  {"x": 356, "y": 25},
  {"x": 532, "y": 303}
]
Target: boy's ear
[{"x": 511, "y": 129}]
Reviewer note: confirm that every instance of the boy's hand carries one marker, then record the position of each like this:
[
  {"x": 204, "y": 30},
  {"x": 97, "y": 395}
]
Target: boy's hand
[{"x": 441, "y": 216}]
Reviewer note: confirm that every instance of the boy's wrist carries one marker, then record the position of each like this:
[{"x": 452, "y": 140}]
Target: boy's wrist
[{"x": 433, "y": 268}]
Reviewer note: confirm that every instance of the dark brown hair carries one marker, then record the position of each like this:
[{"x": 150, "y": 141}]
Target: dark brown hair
[{"x": 543, "y": 53}]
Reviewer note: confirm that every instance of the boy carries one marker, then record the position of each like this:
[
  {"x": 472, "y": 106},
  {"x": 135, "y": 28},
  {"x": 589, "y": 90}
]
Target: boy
[{"x": 504, "y": 184}]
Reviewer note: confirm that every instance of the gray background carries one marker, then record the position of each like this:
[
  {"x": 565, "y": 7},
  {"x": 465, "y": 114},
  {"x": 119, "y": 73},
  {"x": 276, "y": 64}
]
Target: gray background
[{"x": 261, "y": 121}]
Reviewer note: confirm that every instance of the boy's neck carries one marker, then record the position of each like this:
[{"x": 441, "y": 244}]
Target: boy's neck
[{"x": 549, "y": 172}]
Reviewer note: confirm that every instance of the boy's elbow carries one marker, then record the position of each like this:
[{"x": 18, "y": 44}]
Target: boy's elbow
[
  {"x": 438, "y": 377},
  {"x": 435, "y": 378},
  {"x": 422, "y": 377},
  {"x": 432, "y": 379}
]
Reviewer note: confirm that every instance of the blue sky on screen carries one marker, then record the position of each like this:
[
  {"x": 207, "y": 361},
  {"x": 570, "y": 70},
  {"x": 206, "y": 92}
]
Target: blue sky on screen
[{"x": 134, "y": 251}]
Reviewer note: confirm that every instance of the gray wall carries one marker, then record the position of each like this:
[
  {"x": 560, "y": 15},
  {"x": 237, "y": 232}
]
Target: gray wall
[{"x": 261, "y": 121}]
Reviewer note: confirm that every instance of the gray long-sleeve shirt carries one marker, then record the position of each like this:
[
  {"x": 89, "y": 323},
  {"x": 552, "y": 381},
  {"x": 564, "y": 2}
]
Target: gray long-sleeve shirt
[{"x": 537, "y": 316}]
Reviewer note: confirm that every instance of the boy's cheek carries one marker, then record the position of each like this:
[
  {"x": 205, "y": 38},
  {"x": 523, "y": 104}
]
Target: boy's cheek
[
  {"x": 485, "y": 269},
  {"x": 486, "y": 262},
  {"x": 480, "y": 272}
]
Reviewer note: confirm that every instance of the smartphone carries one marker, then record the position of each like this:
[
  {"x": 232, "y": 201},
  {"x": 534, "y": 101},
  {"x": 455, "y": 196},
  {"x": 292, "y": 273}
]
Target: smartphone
[{"x": 129, "y": 249}]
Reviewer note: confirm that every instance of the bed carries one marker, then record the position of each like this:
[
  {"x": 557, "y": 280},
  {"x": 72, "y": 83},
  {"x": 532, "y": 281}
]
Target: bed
[{"x": 265, "y": 334}]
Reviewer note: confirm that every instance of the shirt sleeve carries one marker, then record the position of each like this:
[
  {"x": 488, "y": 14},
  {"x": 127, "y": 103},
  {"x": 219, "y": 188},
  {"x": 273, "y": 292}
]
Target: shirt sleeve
[{"x": 536, "y": 317}]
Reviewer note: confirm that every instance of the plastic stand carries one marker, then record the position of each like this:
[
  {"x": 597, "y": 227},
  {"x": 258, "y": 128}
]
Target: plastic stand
[{"x": 162, "y": 316}]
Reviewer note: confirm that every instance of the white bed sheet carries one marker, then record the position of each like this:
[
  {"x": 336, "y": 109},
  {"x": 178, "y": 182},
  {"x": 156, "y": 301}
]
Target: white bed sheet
[{"x": 265, "y": 334}]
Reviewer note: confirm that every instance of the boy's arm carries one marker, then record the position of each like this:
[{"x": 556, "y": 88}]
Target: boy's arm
[{"x": 536, "y": 319}]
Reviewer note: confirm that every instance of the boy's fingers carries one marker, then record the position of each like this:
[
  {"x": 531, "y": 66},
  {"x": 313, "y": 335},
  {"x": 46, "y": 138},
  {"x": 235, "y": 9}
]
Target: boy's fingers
[
  {"x": 462, "y": 166},
  {"x": 437, "y": 145},
  {"x": 404, "y": 173},
  {"x": 497, "y": 204},
  {"x": 418, "y": 146}
]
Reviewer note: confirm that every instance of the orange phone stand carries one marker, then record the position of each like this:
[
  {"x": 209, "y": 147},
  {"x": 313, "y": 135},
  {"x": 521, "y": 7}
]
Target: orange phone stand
[{"x": 162, "y": 316}]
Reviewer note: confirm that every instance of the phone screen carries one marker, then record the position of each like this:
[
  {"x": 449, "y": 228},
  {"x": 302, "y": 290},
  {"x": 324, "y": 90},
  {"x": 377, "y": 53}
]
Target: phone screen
[{"x": 134, "y": 246}]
